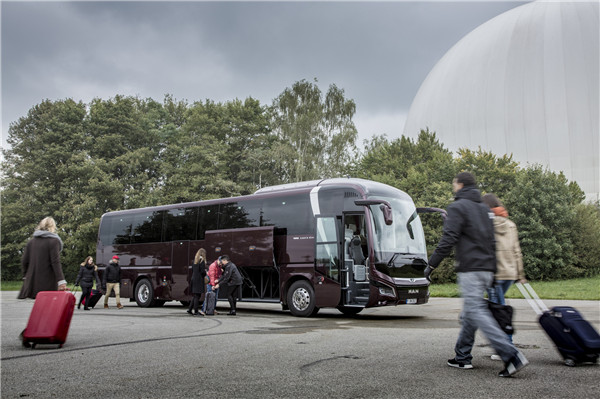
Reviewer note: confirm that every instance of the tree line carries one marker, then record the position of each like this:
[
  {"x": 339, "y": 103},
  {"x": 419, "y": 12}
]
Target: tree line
[{"x": 76, "y": 161}]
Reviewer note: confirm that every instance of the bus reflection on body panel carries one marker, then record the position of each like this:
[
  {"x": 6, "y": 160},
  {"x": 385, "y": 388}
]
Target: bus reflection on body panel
[{"x": 344, "y": 243}]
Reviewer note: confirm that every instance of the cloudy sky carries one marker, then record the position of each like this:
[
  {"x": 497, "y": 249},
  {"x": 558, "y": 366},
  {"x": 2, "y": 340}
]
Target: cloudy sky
[{"x": 378, "y": 52}]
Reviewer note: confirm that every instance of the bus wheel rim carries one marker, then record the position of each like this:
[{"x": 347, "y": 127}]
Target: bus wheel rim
[
  {"x": 301, "y": 299},
  {"x": 143, "y": 295}
]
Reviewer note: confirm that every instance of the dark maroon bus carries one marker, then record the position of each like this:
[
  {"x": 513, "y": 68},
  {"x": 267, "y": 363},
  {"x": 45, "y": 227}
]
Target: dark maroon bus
[{"x": 345, "y": 243}]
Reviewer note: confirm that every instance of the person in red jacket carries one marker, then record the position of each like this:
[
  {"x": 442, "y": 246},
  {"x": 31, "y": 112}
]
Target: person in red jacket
[{"x": 214, "y": 273}]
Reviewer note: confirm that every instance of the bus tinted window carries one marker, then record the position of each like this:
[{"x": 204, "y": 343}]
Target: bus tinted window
[
  {"x": 116, "y": 229},
  {"x": 180, "y": 224},
  {"x": 208, "y": 219},
  {"x": 237, "y": 215},
  {"x": 147, "y": 227},
  {"x": 289, "y": 214}
]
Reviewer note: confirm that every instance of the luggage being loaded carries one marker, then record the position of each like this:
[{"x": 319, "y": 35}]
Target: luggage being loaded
[
  {"x": 211, "y": 303},
  {"x": 50, "y": 319},
  {"x": 94, "y": 298},
  {"x": 575, "y": 338}
]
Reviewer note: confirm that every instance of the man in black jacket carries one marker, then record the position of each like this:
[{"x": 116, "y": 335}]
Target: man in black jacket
[
  {"x": 111, "y": 279},
  {"x": 231, "y": 279},
  {"x": 469, "y": 227}
]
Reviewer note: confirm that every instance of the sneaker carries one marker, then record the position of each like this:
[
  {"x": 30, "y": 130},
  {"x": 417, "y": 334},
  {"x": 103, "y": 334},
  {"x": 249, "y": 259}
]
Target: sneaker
[
  {"x": 495, "y": 357},
  {"x": 119, "y": 306},
  {"x": 459, "y": 365},
  {"x": 514, "y": 365},
  {"x": 105, "y": 306}
]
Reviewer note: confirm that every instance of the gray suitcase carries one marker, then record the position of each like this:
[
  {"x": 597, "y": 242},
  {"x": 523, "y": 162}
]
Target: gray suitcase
[{"x": 211, "y": 303}]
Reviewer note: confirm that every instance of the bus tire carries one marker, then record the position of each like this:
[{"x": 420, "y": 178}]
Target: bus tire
[
  {"x": 349, "y": 311},
  {"x": 144, "y": 293},
  {"x": 301, "y": 299}
]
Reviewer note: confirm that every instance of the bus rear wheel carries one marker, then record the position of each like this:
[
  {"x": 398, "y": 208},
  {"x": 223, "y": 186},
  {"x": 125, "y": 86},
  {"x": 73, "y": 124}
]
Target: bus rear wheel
[
  {"x": 144, "y": 293},
  {"x": 301, "y": 299}
]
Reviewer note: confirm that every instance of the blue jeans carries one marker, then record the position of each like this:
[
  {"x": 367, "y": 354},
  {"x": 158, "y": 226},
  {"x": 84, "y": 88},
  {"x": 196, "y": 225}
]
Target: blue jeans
[
  {"x": 476, "y": 315},
  {"x": 209, "y": 288},
  {"x": 496, "y": 293}
]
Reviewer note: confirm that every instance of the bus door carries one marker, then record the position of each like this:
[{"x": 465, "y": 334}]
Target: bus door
[
  {"x": 355, "y": 282},
  {"x": 177, "y": 287},
  {"x": 327, "y": 262}
]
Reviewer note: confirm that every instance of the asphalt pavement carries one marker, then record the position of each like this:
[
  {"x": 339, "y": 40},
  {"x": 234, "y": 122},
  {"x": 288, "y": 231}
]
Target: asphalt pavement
[{"x": 264, "y": 352}]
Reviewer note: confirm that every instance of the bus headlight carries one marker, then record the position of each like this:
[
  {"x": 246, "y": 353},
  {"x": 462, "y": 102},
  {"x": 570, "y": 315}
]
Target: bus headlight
[{"x": 387, "y": 291}]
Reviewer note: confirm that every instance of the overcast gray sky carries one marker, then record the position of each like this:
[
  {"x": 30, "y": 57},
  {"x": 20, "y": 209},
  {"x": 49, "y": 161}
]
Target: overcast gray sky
[{"x": 378, "y": 52}]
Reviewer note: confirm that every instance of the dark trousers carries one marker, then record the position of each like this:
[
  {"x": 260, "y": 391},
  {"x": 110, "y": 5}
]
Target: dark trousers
[
  {"x": 231, "y": 291},
  {"x": 86, "y": 292},
  {"x": 195, "y": 303}
]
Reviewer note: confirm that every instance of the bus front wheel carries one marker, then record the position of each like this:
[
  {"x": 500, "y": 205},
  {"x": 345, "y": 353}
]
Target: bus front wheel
[
  {"x": 301, "y": 299},
  {"x": 144, "y": 293}
]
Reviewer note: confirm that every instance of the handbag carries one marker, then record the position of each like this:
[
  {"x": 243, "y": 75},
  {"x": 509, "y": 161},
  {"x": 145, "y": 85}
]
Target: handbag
[{"x": 503, "y": 315}]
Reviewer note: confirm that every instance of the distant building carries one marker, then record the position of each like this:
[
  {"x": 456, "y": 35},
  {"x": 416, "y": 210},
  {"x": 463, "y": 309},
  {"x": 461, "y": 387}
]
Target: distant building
[{"x": 525, "y": 82}]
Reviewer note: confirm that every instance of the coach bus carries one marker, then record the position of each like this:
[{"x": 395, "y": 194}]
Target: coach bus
[{"x": 345, "y": 243}]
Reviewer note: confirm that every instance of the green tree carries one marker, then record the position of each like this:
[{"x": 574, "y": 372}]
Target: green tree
[
  {"x": 541, "y": 203},
  {"x": 45, "y": 154},
  {"x": 316, "y": 134},
  {"x": 586, "y": 239},
  {"x": 494, "y": 174}
]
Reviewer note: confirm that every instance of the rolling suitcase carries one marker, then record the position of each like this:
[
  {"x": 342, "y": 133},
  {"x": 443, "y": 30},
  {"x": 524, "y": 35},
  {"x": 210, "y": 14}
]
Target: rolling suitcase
[
  {"x": 50, "y": 319},
  {"x": 94, "y": 298},
  {"x": 211, "y": 303},
  {"x": 574, "y": 337}
]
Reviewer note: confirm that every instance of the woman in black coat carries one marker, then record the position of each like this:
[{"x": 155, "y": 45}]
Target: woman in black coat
[
  {"x": 197, "y": 281},
  {"x": 88, "y": 272}
]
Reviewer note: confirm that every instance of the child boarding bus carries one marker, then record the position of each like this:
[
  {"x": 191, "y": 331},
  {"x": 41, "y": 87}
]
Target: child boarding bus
[{"x": 345, "y": 243}]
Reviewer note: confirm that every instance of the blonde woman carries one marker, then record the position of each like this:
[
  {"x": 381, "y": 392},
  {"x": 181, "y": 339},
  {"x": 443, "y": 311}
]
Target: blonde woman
[
  {"x": 42, "y": 270},
  {"x": 197, "y": 281}
]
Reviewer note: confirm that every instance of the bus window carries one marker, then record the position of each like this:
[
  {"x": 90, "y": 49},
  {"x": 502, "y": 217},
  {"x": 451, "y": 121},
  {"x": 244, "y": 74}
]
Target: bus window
[
  {"x": 116, "y": 229},
  {"x": 208, "y": 219},
  {"x": 290, "y": 215},
  {"x": 146, "y": 227},
  {"x": 327, "y": 257},
  {"x": 238, "y": 215},
  {"x": 180, "y": 224}
]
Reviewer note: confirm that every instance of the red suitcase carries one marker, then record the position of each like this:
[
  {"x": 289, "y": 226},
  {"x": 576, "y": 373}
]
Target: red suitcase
[{"x": 50, "y": 318}]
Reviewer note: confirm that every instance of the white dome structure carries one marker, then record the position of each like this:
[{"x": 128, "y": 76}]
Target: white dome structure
[{"x": 524, "y": 83}]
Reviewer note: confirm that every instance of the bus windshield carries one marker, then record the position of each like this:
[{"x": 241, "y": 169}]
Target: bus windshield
[{"x": 404, "y": 236}]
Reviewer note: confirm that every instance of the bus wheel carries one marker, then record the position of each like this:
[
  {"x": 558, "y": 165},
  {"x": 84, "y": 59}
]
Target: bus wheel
[
  {"x": 349, "y": 311},
  {"x": 301, "y": 299},
  {"x": 144, "y": 293}
]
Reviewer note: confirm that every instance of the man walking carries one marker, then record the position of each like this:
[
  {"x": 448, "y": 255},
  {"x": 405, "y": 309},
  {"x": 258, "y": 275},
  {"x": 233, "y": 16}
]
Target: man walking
[
  {"x": 111, "y": 279},
  {"x": 469, "y": 227}
]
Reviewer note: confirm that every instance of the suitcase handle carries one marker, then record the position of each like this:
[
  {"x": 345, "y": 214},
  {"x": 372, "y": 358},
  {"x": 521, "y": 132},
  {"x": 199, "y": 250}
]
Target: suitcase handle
[{"x": 532, "y": 298}]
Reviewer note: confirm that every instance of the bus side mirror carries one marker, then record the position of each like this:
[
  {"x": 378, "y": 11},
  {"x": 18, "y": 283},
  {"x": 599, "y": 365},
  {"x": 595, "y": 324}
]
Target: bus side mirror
[
  {"x": 385, "y": 207},
  {"x": 442, "y": 212}
]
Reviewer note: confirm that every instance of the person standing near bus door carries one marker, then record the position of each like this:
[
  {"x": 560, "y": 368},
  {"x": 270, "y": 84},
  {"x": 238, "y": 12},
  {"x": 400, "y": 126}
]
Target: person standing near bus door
[
  {"x": 214, "y": 273},
  {"x": 197, "y": 281},
  {"x": 86, "y": 277},
  {"x": 111, "y": 279},
  {"x": 42, "y": 270},
  {"x": 469, "y": 228},
  {"x": 231, "y": 281},
  {"x": 509, "y": 260}
]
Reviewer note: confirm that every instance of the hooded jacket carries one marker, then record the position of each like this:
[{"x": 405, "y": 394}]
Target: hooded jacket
[
  {"x": 509, "y": 259},
  {"x": 112, "y": 273},
  {"x": 469, "y": 228}
]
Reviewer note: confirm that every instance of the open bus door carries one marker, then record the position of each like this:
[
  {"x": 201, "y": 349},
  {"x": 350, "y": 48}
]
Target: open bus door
[{"x": 327, "y": 281}]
